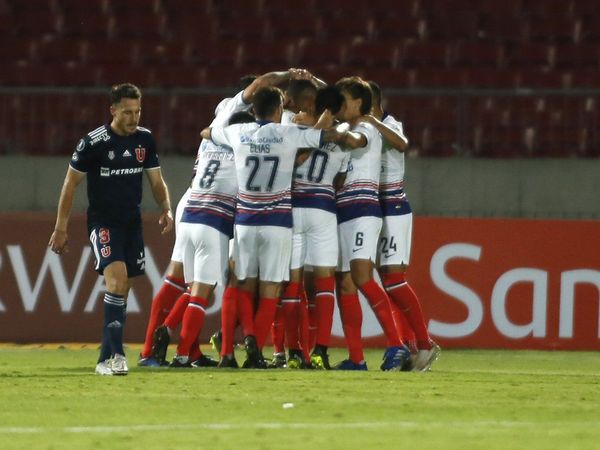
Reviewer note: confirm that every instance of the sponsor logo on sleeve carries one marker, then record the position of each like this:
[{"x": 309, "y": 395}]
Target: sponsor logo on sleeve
[
  {"x": 80, "y": 145},
  {"x": 104, "y": 235},
  {"x": 104, "y": 172},
  {"x": 75, "y": 156},
  {"x": 105, "y": 251}
]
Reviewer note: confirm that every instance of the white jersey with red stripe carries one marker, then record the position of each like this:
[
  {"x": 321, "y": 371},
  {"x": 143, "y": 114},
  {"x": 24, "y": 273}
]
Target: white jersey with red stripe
[
  {"x": 391, "y": 187},
  {"x": 264, "y": 160},
  {"x": 214, "y": 188},
  {"x": 359, "y": 195}
]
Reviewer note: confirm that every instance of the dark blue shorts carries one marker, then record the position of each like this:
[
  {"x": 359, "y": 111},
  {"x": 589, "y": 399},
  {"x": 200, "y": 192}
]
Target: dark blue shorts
[{"x": 111, "y": 244}]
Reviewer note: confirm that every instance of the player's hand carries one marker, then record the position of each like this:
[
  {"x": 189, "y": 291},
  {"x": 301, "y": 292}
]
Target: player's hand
[
  {"x": 59, "y": 242},
  {"x": 326, "y": 120},
  {"x": 299, "y": 74},
  {"x": 304, "y": 118},
  {"x": 166, "y": 221}
]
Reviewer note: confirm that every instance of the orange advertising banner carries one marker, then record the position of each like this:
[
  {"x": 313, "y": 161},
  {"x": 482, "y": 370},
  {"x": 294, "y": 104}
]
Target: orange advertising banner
[{"x": 483, "y": 283}]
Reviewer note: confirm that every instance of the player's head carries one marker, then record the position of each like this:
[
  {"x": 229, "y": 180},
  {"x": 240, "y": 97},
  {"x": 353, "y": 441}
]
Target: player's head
[
  {"x": 268, "y": 104},
  {"x": 125, "y": 108},
  {"x": 329, "y": 98},
  {"x": 376, "y": 90},
  {"x": 357, "y": 98},
  {"x": 241, "y": 117},
  {"x": 301, "y": 96},
  {"x": 246, "y": 81}
]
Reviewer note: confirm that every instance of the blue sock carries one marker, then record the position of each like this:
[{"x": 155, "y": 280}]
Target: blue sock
[{"x": 114, "y": 321}]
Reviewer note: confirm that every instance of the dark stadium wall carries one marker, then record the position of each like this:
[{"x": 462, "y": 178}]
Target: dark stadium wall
[{"x": 483, "y": 283}]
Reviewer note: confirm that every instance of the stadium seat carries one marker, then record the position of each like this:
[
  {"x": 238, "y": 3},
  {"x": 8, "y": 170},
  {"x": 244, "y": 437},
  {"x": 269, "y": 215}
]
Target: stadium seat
[
  {"x": 302, "y": 25},
  {"x": 400, "y": 27},
  {"x": 502, "y": 28},
  {"x": 540, "y": 78},
  {"x": 382, "y": 54},
  {"x": 100, "y": 7},
  {"x": 424, "y": 54},
  {"x": 185, "y": 26},
  {"x": 590, "y": 28},
  {"x": 235, "y": 8},
  {"x": 65, "y": 51},
  {"x": 321, "y": 53},
  {"x": 133, "y": 25},
  {"x": 528, "y": 55},
  {"x": 586, "y": 78},
  {"x": 356, "y": 26},
  {"x": 439, "y": 78},
  {"x": 477, "y": 54},
  {"x": 554, "y": 29},
  {"x": 220, "y": 52},
  {"x": 248, "y": 28},
  {"x": 79, "y": 24},
  {"x": 577, "y": 56},
  {"x": 454, "y": 25},
  {"x": 278, "y": 54},
  {"x": 17, "y": 51}
]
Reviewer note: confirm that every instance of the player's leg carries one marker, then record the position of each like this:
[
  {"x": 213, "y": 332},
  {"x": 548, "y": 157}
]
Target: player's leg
[
  {"x": 205, "y": 265},
  {"x": 290, "y": 301},
  {"x": 108, "y": 245},
  {"x": 394, "y": 249}
]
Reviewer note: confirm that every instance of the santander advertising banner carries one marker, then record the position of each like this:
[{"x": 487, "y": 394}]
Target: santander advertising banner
[{"x": 483, "y": 283}]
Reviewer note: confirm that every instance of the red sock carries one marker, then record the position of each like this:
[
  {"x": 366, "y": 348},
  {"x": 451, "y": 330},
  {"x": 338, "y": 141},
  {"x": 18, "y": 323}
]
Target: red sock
[
  {"x": 161, "y": 305},
  {"x": 193, "y": 319},
  {"x": 380, "y": 303},
  {"x": 304, "y": 326},
  {"x": 402, "y": 294},
  {"x": 245, "y": 308},
  {"x": 228, "y": 319},
  {"x": 352, "y": 322},
  {"x": 324, "y": 288},
  {"x": 278, "y": 330},
  {"x": 312, "y": 324},
  {"x": 196, "y": 352},
  {"x": 405, "y": 331},
  {"x": 176, "y": 315},
  {"x": 264, "y": 319},
  {"x": 290, "y": 302}
]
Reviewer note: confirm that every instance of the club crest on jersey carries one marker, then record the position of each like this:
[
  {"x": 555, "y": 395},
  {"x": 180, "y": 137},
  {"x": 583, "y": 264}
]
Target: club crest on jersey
[
  {"x": 105, "y": 251},
  {"x": 140, "y": 154},
  {"x": 111, "y": 154},
  {"x": 104, "y": 235}
]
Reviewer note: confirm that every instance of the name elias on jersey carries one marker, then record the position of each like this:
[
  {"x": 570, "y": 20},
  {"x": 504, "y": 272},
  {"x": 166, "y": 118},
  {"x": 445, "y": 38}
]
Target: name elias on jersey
[
  {"x": 106, "y": 172},
  {"x": 260, "y": 148}
]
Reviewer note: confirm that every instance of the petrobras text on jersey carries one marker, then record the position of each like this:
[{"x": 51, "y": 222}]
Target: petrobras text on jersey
[{"x": 106, "y": 172}]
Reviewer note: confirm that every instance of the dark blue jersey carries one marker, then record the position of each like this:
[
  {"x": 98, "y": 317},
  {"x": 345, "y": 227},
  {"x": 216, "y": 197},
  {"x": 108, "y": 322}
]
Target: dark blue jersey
[{"x": 114, "y": 166}]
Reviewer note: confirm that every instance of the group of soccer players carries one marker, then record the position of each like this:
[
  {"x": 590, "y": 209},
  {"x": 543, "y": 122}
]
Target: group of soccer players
[
  {"x": 287, "y": 188},
  {"x": 312, "y": 178}
]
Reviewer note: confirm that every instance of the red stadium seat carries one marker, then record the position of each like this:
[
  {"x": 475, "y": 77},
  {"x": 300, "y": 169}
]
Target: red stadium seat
[
  {"x": 236, "y": 8},
  {"x": 158, "y": 52},
  {"x": 220, "y": 52},
  {"x": 96, "y": 51},
  {"x": 36, "y": 23},
  {"x": 424, "y": 54},
  {"x": 133, "y": 25},
  {"x": 555, "y": 29},
  {"x": 590, "y": 28},
  {"x": 528, "y": 55},
  {"x": 269, "y": 54},
  {"x": 400, "y": 27},
  {"x": 502, "y": 27},
  {"x": 301, "y": 25},
  {"x": 321, "y": 53},
  {"x": 586, "y": 78},
  {"x": 477, "y": 54},
  {"x": 60, "y": 50},
  {"x": 577, "y": 56},
  {"x": 453, "y": 25},
  {"x": 382, "y": 54},
  {"x": 86, "y": 24},
  {"x": 16, "y": 51},
  {"x": 100, "y": 7},
  {"x": 439, "y": 78},
  {"x": 333, "y": 27},
  {"x": 246, "y": 28},
  {"x": 183, "y": 25},
  {"x": 545, "y": 79}
]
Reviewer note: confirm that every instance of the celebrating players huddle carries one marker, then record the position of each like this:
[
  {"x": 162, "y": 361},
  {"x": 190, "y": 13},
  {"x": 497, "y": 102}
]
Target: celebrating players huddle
[
  {"x": 317, "y": 185},
  {"x": 307, "y": 187}
]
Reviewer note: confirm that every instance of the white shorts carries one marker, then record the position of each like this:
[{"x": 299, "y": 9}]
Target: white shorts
[
  {"x": 314, "y": 240},
  {"x": 262, "y": 249},
  {"x": 177, "y": 254},
  {"x": 205, "y": 254},
  {"x": 358, "y": 240},
  {"x": 395, "y": 240}
]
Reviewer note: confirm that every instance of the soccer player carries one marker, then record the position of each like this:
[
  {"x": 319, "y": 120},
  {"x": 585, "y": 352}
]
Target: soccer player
[
  {"x": 113, "y": 158},
  {"x": 359, "y": 219},
  {"x": 206, "y": 228},
  {"x": 315, "y": 237},
  {"x": 396, "y": 232},
  {"x": 264, "y": 158},
  {"x": 174, "y": 287}
]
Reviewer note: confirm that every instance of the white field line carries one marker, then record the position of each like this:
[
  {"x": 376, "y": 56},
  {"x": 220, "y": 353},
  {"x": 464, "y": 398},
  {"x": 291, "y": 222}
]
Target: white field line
[{"x": 483, "y": 424}]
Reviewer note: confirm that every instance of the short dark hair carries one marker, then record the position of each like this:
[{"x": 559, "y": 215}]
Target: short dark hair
[
  {"x": 329, "y": 98},
  {"x": 241, "y": 117},
  {"x": 124, "y": 90},
  {"x": 297, "y": 87},
  {"x": 266, "y": 101},
  {"x": 246, "y": 81},
  {"x": 357, "y": 88},
  {"x": 376, "y": 90}
]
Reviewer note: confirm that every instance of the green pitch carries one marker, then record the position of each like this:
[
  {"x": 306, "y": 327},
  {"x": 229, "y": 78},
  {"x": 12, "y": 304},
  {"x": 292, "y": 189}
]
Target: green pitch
[{"x": 51, "y": 399}]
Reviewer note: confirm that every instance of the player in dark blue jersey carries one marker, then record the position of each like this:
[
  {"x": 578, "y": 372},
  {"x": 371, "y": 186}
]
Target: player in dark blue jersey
[{"x": 113, "y": 158}]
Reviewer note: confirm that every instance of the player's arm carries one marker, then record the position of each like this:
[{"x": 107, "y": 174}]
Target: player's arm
[
  {"x": 396, "y": 139},
  {"x": 267, "y": 79},
  {"x": 160, "y": 191},
  {"x": 59, "y": 240},
  {"x": 348, "y": 140}
]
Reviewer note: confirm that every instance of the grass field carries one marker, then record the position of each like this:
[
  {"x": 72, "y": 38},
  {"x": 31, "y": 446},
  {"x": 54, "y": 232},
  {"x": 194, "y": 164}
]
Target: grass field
[{"x": 51, "y": 399}]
